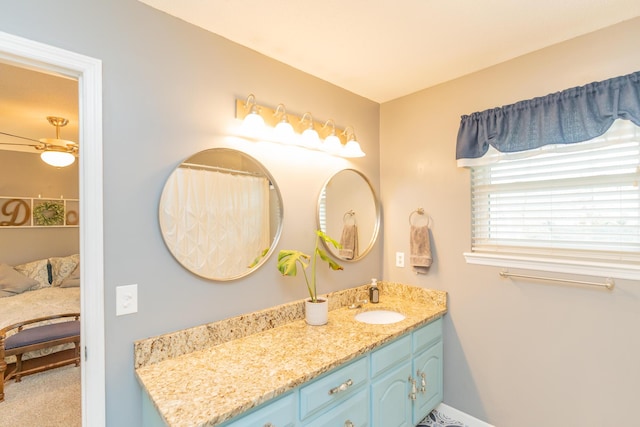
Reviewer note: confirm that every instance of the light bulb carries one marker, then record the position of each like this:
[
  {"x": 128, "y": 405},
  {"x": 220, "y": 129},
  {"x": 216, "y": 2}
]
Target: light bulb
[
  {"x": 332, "y": 144},
  {"x": 310, "y": 138},
  {"x": 253, "y": 121},
  {"x": 58, "y": 159},
  {"x": 352, "y": 149},
  {"x": 284, "y": 131}
]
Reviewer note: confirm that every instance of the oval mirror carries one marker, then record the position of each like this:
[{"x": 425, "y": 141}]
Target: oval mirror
[
  {"x": 349, "y": 212},
  {"x": 221, "y": 214}
]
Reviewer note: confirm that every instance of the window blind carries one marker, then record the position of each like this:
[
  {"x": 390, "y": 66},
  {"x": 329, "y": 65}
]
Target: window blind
[{"x": 576, "y": 201}]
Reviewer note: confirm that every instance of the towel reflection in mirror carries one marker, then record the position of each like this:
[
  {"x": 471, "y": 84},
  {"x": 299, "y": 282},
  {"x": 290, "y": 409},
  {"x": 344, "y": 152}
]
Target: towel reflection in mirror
[{"x": 349, "y": 237}]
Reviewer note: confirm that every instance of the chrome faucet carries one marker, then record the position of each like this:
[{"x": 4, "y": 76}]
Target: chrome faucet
[{"x": 359, "y": 303}]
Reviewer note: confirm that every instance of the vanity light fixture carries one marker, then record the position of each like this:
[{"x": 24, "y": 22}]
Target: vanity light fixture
[
  {"x": 302, "y": 131},
  {"x": 253, "y": 120},
  {"x": 352, "y": 149}
]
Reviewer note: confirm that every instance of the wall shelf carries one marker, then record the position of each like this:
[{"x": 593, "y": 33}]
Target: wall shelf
[{"x": 38, "y": 212}]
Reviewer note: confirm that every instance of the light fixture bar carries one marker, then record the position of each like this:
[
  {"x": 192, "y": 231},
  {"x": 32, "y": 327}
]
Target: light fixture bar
[{"x": 243, "y": 108}]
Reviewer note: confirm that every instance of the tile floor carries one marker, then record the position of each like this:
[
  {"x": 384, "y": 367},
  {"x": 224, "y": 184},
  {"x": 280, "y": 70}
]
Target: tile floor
[{"x": 438, "y": 419}]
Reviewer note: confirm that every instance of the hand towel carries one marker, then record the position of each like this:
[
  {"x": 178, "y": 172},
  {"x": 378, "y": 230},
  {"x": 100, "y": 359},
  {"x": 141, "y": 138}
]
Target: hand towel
[
  {"x": 420, "y": 247},
  {"x": 349, "y": 242}
]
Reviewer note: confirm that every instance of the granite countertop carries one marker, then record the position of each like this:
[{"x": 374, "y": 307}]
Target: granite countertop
[{"x": 223, "y": 376}]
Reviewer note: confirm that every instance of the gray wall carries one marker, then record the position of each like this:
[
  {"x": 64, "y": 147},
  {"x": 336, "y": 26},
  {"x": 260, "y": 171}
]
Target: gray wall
[
  {"x": 516, "y": 354},
  {"x": 26, "y": 175},
  {"x": 169, "y": 91}
]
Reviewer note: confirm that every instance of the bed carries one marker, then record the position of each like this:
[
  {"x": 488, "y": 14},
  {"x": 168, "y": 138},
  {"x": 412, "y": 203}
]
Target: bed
[{"x": 43, "y": 295}]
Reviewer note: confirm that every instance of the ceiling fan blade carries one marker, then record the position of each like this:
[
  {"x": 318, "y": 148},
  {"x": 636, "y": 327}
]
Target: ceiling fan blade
[
  {"x": 20, "y": 137},
  {"x": 16, "y": 144}
]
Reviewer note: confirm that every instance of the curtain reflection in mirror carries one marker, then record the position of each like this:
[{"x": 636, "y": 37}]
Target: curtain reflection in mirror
[{"x": 216, "y": 223}]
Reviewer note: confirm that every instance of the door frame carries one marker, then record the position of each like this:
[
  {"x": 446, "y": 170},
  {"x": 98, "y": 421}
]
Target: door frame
[{"x": 37, "y": 56}]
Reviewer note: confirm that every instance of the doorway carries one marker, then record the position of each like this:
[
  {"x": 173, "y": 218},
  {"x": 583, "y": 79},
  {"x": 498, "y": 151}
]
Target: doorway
[{"x": 87, "y": 71}]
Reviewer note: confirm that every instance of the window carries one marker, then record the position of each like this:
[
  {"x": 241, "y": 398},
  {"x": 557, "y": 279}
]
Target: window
[{"x": 571, "y": 204}]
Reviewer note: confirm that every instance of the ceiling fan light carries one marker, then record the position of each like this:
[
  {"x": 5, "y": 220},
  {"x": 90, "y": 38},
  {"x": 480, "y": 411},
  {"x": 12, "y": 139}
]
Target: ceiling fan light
[{"x": 59, "y": 159}]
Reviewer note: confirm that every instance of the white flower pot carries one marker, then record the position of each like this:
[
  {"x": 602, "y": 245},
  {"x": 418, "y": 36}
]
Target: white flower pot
[{"x": 316, "y": 313}]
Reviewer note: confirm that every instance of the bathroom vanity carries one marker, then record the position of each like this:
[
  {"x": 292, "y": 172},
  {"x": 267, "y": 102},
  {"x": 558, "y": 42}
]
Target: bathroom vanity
[{"x": 270, "y": 368}]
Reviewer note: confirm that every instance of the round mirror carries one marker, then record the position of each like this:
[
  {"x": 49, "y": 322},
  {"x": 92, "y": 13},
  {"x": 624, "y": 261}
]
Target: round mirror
[
  {"x": 221, "y": 214},
  {"x": 348, "y": 211}
]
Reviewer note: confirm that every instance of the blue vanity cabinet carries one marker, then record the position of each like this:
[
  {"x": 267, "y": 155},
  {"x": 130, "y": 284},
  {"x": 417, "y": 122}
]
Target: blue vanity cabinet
[{"x": 427, "y": 366}]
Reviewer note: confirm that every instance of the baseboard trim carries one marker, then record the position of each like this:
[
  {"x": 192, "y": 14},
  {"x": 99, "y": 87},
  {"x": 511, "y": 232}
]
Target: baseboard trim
[{"x": 457, "y": 415}]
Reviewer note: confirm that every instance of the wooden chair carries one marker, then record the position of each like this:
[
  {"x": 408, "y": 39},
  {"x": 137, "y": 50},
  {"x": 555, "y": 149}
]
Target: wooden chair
[{"x": 36, "y": 338}]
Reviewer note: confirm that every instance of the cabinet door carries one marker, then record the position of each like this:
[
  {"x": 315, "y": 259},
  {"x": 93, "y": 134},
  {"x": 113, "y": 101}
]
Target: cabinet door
[
  {"x": 390, "y": 403},
  {"x": 428, "y": 363}
]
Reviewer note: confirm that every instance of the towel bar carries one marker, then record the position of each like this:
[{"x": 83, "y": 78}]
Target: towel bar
[
  {"x": 609, "y": 283},
  {"x": 419, "y": 211}
]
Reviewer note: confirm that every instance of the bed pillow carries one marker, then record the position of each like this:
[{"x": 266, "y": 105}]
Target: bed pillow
[
  {"x": 62, "y": 267},
  {"x": 73, "y": 280},
  {"x": 13, "y": 282},
  {"x": 36, "y": 270}
]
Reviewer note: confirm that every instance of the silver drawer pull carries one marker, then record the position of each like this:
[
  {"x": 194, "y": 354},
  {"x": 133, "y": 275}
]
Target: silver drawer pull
[
  {"x": 269, "y": 425},
  {"x": 348, "y": 423},
  {"x": 423, "y": 382},
  {"x": 342, "y": 387},
  {"x": 414, "y": 389}
]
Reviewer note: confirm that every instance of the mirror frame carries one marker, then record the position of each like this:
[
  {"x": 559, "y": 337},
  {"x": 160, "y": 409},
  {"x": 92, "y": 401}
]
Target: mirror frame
[
  {"x": 276, "y": 236},
  {"x": 376, "y": 228}
]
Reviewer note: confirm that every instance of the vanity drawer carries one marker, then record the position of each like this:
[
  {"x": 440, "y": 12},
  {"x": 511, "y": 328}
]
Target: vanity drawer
[
  {"x": 351, "y": 412},
  {"x": 333, "y": 388},
  {"x": 426, "y": 336},
  {"x": 390, "y": 355},
  {"x": 281, "y": 413}
]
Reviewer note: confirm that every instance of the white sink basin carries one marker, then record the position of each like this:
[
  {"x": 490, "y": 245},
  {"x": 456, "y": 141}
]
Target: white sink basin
[{"x": 379, "y": 317}]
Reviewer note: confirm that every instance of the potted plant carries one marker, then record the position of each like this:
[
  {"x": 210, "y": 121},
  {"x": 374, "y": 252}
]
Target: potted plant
[{"x": 316, "y": 310}]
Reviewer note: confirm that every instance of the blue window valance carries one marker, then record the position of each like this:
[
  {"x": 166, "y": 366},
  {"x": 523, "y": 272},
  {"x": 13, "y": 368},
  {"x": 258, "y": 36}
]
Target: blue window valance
[{"x": 573, "y": 115}]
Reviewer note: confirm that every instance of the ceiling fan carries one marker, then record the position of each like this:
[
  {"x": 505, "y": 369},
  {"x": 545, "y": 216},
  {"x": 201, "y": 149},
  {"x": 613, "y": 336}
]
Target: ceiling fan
[{"x": 55, "y": 151}]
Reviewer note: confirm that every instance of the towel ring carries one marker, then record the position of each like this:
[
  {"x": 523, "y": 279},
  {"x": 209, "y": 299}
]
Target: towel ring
[
  {"x": 349, "y": 214},
  {"x": 420, "y": 212}
]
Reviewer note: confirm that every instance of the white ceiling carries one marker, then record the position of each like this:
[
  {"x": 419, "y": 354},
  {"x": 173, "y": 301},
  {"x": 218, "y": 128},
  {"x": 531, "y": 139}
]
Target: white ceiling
[
  {"x": 27, "y": 97},
  {"x": 386, "y": 49}
]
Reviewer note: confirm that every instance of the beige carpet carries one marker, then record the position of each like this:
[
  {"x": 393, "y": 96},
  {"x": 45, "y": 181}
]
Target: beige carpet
[{"x": 47, "y": 399}]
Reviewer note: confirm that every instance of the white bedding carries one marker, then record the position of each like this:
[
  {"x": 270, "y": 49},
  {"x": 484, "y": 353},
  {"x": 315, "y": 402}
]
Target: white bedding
[{"x": 38, "y": 303}]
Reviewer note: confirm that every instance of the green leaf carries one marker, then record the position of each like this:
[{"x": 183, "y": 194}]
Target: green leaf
[
  {"x": 258, "y": 258},
  {"x": 332, "y": 264},
  {"x": 287, "y": 260},
  {"x": 328, "y": 239}
]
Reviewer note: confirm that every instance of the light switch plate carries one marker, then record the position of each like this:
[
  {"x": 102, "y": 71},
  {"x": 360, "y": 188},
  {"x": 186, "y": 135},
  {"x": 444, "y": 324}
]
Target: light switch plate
[
  {"x": 126, "y": 299},
  {"x": 399, "y": 259}
]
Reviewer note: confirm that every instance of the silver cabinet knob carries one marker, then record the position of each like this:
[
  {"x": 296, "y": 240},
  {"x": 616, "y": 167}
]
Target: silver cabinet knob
[{"x": 348, "y": 423}]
